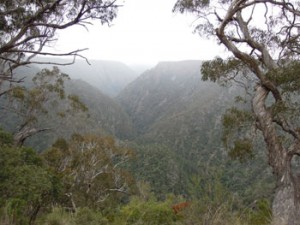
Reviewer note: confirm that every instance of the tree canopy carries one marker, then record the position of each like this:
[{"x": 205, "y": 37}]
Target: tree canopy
[
  {"x": 26, "y": 185},
  {"x": 28, "y": 26},
  {"x": 91, "y": 168}
]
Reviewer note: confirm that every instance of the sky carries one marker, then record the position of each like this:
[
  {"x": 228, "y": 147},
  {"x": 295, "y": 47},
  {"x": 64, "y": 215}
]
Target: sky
[{"x": 144, "y": 32}]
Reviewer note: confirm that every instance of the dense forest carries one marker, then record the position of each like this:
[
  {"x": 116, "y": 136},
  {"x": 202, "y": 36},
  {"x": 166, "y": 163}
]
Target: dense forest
[
  {"x": 185, "y": 142},
  {"x": 127, "y": 159}
]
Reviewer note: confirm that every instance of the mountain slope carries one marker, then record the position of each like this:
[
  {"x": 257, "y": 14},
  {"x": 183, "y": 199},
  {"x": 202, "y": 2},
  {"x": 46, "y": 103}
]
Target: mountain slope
[
  {"x": 172, "y": 93},
  {"x": 104, "y": 117},
  {"x": 175, "y": 111},
  {"x": 173, "y": 120},
  {"x": 108, "y": 76}
]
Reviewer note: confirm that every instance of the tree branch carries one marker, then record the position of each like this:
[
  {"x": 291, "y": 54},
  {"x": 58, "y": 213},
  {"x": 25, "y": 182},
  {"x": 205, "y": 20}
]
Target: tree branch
[{"x": 21, "y": 136}]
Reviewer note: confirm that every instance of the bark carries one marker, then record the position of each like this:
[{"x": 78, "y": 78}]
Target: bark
[
  {"x": 286, "y": 204},
  {"x": 276, "y": 153},
  {"x": 286, "y": 201},
  {"x": 22, "y": 135},
  {"x": 34, "y": 215},
  {"x": 284, "y": 209},
  {"x": 74, "y": 208}
]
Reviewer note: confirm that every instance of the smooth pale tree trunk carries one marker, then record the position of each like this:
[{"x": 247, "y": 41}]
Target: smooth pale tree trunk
[{"x": 285, "y": 207}]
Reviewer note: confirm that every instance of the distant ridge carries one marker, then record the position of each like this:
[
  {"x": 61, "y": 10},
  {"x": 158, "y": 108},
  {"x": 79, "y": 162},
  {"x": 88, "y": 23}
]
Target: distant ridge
[{"x": 108, "y": 76}]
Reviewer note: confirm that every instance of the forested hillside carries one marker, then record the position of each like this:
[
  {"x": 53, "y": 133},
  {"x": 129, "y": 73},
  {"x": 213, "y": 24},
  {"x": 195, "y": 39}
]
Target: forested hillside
[
  {"x": 95, "y": 142},
  {"x": 170, "y": 120},
  {"x": 104, "y": 115},
  {"x": 177, "y": 118}
]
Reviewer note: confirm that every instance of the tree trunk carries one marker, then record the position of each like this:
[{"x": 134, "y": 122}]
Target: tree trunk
[
  {"x": 34, "y": 215},
  {"x": 286, "y": 203},
  {"x": 285, "y": 207}
]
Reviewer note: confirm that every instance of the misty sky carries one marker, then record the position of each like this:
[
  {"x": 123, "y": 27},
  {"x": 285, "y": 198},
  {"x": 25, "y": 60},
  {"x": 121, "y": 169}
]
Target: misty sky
[{"x": 145, "y": 31}]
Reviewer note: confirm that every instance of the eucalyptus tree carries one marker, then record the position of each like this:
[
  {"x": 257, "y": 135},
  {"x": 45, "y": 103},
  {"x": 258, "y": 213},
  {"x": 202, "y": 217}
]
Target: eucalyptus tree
[
  {"x": 27, "y": 106},
  {"x": 26, "y": 185},
  {"x": 262, "y": 37},
  {"x": 28, "y": 26},
  {"x": 92, "y": 168}
]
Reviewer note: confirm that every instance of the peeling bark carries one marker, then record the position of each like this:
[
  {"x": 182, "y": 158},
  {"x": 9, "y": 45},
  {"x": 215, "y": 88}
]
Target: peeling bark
[
  {"x": 276, "y": 153},
  {"x": 286, "y": 201}
]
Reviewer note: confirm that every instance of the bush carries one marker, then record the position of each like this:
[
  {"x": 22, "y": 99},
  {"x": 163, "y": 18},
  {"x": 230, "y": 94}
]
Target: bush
[
  {"x": 261, "y": 214},
  {"x": 58, "y": 216},
  {"x": 141, "y": 212},
  {"x": 86, "y": 216}
]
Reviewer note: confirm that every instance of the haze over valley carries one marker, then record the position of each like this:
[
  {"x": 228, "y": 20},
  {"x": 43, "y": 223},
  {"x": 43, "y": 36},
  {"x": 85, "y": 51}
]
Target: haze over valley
[
  {"x": 166, "y": 114},
  {"x": 139, "y": 112},
  {"x": 169, "y": 118}
]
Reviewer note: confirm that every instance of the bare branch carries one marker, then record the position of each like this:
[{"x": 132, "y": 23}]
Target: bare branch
[
  {"x": 22, "y": 135},
  {"x": 35, "y": 25},
  {"x": 286, "y": 126}
]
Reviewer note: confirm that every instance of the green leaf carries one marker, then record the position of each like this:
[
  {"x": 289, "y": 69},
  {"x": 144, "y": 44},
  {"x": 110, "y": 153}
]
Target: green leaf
[{"x": 242, "y": 150}]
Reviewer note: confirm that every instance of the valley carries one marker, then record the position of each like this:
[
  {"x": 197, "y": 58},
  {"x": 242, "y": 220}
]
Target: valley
[{"x": 168, "y": 116}]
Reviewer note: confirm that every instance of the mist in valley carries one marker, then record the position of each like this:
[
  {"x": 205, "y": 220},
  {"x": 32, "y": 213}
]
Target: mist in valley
[{"x": 129, "y": 130}]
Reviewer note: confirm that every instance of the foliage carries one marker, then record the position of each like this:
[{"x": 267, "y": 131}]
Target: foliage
[
  {"x": 242, "y": 150},
  {"x": 261, "y": 213},
  {"x": 224, "y": 214},
  {"x": 263, "y": 36},
  {"x": 207, "y": 187},
  {"x": 211, "y": 199},
  {"x": 149, "y": 212},
  {"x": 84, "y": 216},
  {"x": 5, "y": 138},
  {"x": 158, "y": 166},
  {"x": 188, "y": 135},
  {"x": 238, "y": 136},
  {"x": 214, "y": 203},
  {"x": 26, "y": 185},
  {"x": 286, "y": 77},
  {"x": 45, "y": 94},
  {"x": 183, "y": 137},
  {"x": 214, "y": 70},
  {"x": 153, "y": 212},
  {"x": 28, "y": 26},
  {"x": 58, "y": 216},
  {"x": 104, "y": 115},
  {"x": 34, "y": 184},
  {"x": 91, "y": 168}
]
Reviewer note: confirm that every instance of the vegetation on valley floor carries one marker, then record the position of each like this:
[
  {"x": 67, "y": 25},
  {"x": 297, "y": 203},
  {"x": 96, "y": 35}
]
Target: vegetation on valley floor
[
  {"x": 174, "y": 129},
  {"x": 83, "y": 181}
]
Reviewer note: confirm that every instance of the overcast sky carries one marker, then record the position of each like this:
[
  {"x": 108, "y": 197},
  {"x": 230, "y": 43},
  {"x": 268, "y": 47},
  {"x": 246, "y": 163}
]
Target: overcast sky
[{"x": 145, "y": 31}]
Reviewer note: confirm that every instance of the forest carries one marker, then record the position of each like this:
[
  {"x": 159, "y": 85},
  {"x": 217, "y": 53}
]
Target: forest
[
  {"x": 129, "y": 158},
  {"x": 183, "y": 142}
]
